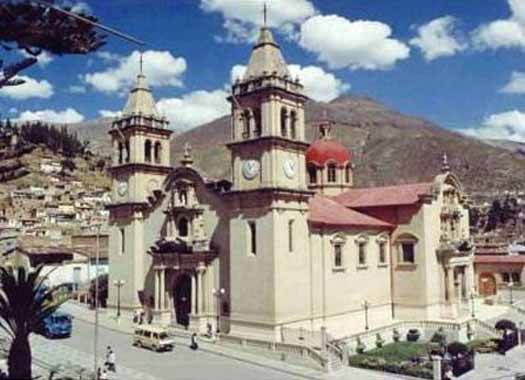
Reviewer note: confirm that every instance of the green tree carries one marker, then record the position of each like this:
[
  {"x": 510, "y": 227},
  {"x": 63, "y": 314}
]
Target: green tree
[
  {"x": 34, "y": 28},
  {"x": 24, "y": 303}
]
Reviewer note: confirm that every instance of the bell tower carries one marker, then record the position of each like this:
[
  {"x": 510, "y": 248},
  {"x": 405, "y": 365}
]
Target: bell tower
[
  {"x": 141, "y": 162},
  {"x": 268, "y": 129},
  {"x": 269, "y": 196}
]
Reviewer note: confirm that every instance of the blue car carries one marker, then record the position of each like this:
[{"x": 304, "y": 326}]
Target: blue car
[{"x": 57, "y": 325}]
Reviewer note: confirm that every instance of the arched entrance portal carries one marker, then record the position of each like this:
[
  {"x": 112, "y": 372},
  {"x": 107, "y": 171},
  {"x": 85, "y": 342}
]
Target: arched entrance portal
[
  {"x": 487, "y": 285},
  {"x": 182, "y": 299}
]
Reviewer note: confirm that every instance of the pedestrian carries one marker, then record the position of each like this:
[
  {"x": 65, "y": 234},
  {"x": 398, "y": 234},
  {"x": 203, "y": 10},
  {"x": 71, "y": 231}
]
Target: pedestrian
[
  {"x": 449, "y": 375},
  {"x": 111, "y": 360},
  {"x": 150, "y": 317},
  {"x": 194, "y": 346},
  {"x": 141, "y": 317},
  {"x": 102, "y": 374},
  {"x": 135, "y": 316},
  {"x": 209, "y": 330}
]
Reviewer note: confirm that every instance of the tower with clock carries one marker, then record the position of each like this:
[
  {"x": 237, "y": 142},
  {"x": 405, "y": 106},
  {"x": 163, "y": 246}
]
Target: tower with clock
[
  {"x": 140, "y": 164},
  {"x": 269, "y": 195}
]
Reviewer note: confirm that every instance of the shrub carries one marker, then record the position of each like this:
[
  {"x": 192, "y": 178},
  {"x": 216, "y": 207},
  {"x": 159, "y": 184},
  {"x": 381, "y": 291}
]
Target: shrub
[
  {"x": 396, "y": 335},
  {"x": 439, "y": 337},
  {"x": 379, "y": 341},
  {"x": 505, "y": 324},
  {"x": 456, "y": 348},
  {"x": 360, "y": 348},
  {"x": 413, "y": 335}
]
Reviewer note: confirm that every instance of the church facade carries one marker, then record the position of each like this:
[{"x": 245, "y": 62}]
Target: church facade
[{"x": 288, "y": 241}]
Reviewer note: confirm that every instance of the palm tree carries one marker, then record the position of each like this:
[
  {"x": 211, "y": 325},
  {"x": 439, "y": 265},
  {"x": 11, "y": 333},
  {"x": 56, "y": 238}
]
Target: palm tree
[{"x": 24, "y": 303}]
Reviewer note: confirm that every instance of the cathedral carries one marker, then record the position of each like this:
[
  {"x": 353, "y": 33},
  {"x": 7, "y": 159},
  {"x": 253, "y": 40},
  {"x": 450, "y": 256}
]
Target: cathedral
[{"x": 287, "y": 241}]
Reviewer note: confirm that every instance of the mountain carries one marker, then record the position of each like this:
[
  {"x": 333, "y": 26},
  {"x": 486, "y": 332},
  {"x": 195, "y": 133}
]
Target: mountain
[
  {"x": 513, "y": 146},
  {"x": 388, "y": 147},
  {"x": 96, "y": 132}
]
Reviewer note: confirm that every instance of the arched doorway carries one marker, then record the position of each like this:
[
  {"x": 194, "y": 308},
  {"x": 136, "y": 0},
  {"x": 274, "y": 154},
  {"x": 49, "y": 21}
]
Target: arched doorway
[
  {"x": 487, "y": 285},
  {"x": 182, "y": 299}
]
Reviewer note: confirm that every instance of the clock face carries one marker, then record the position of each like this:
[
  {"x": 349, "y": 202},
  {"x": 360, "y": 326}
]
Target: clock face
[
  {"x": 122, "y": 188},
  {"x": 250, "y": 169},
  {"x": 290, "y": 168}
]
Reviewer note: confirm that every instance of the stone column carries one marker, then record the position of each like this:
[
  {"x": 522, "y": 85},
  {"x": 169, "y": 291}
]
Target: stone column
[
  {"x": 450, "y": 285},
  {"x": 157, "y": 286},
  {"x": 193, "y": 295},
  {"x": 162, "y": 289},
  {"x": 200, "y": 297}
]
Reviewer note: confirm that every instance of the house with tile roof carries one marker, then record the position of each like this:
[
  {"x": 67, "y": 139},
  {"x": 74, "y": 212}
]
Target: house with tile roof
[{"x": 287, "y": 242}]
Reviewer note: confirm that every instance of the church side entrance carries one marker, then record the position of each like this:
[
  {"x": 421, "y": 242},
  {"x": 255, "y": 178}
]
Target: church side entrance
[{"x": 182, "y": 299}]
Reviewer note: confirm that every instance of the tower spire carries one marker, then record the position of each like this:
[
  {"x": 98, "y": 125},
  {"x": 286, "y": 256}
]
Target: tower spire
[
  {"x": 141, "y": 63},
  {"x": 265, "y": 14},
  {"x": 445, "y": 167}
]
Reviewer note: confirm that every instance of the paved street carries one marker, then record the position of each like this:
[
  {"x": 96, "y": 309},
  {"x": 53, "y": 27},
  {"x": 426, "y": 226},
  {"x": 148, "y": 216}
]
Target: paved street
[
  {"x": 498, "y": 367},
  {"x": 137, "y": 363}
]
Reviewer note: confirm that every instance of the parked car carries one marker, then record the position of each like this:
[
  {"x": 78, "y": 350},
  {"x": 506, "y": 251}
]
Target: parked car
[
  {"x": 57, "y": 325},
  {"x": 153, "y": 337}
]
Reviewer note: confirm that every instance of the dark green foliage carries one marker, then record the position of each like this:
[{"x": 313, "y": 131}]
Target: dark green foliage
[
  {"x": 34, "y": 28},
  {"x": 505, "y": 324},
  {"x": 456, "y": 348},
  {"x": 57, "y": 139},
  {"x": 21, "y": 312}
]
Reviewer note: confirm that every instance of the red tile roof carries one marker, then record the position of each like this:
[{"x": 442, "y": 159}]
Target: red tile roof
[
  {"x": 400, "y": 195},
  {"x": 327, "y": 212},
  {"x": 500, "y": 259},
  {"x": 323, "y": 150}
]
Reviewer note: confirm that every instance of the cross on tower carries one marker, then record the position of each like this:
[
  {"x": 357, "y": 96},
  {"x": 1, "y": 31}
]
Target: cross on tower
[
  {"x": 140, "y": 63},
  {"x": 265, "y": 14}
]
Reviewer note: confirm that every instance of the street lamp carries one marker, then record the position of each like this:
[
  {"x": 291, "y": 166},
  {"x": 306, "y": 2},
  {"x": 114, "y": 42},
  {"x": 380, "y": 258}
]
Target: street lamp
[
  {"x": 218, "y": 293},
  {"x": 97, "y": 262},
  {"x": 472, "y": 299},
  {"x": 119, "y": 284},
  {"x": 510, "y": 285},
  {"x": 365, "y": 305}
]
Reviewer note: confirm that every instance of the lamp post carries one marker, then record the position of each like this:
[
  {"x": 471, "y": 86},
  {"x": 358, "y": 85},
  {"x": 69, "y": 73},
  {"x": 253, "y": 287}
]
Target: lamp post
[
  {"x": 218, "y": 293},
  {"x": 510, "y": 285},
  {"x": 119, "y": 284},
  {"x": 472, "y": 299},
  {"x": 365, "y": 305},
  {"x": 97, "y": 259}
]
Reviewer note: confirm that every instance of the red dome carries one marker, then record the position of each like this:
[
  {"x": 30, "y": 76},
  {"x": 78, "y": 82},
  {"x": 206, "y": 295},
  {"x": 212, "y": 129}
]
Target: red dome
[{"x": 322, "y": 151}]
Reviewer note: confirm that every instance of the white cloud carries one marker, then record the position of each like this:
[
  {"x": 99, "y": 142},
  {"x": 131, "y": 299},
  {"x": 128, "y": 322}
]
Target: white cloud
[
  {"x": 194, "y": 108},
  {"x": 76, "y": 89},
  {"x": 507, "y": 33},
  {"x": 242, "y": 18},
  {"x": 318, "y": 84},
  {"x": 32, "y": 88},
  {"x": 357, "y": 44},
  {"x": 160, "y": 67},
  {"x": 69, "y": 115},
  {"x": 508, "y": 125},
  {"x": 516, "y": 84},
  {"x": 109, "y": 113},
  {"x": 43, "y": 59},
  {"x": 438, "y": 38}
]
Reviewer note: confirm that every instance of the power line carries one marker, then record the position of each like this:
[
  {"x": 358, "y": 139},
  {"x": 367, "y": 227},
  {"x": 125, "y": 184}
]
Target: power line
[{"x": 90, "y": 22}]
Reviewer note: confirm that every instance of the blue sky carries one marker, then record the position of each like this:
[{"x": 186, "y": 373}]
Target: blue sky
[{"x": 457, "y": 63}]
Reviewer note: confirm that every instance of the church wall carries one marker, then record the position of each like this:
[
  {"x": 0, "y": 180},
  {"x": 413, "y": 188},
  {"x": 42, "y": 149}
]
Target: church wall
[
  {"x": 252, "y": 276},
  {"x": 337, "y": 294}
]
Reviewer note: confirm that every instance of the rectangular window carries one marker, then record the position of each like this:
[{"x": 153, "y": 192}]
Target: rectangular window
[
  {"x": 122, "y": 241},
  {"x": 382, "y": 252},
  {"x": 338, "y": 256},
  {"x": 505, "y": 277},
  {"x": 362, "y": 254},
  {"x": 290, "y": 235},
  {"x": 252, "y": 232},
  {"x": 407, "y": 253},
  {"x": 515, "y": 276}
]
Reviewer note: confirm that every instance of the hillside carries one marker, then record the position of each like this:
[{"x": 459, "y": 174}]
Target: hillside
[
  {"x": 388, "y": 147},
  {"x": 96, "y": 132}
]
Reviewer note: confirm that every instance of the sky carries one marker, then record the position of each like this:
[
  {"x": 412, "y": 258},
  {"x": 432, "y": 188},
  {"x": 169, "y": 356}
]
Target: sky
[{"x": 459, "y": 64}]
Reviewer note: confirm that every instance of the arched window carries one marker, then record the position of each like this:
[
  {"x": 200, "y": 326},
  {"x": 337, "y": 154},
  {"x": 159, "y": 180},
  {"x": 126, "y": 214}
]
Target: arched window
[
  {"x": 147, "y": 151},
  {"x": 284, "y": 116},
  {"x": 347, "y": 173},
  {"x": 312, "y": 174},
  {"x": 332, "y": 173},
  {"x": 183, "y": 197},
  {"x": 257, "y": 122},
  {"x": 293, "y": 125},
  {"x": 127, "y": 151},
  {"x": 338, "y": 242},
  {"x": 183, "y": 227},
  {"x": 157, "y": 151},
  {"x": 246, "y": 124},
  {"x": 120, "y": 152}
]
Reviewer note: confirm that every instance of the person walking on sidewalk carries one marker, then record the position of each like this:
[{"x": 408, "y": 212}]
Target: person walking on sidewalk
[
  {"x": 111, "y": 359},
  {"x": 102, "y": 374},
  {"x": 194, "y": 346}
]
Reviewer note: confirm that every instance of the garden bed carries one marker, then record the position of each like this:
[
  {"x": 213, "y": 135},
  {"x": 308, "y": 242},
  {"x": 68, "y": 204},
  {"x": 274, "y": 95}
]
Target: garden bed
[{"x": 407, "y": 358}]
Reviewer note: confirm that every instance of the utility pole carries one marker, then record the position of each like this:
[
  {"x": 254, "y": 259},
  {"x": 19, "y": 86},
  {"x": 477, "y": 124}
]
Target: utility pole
[{"x": 97, "y": 258}]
